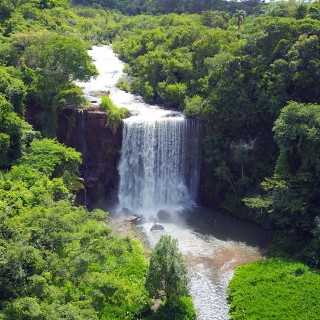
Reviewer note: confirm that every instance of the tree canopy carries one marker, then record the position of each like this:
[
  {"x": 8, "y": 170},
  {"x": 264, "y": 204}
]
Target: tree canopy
[
  {"x": 167, "y": 277},
  {"x": 167, "y": 270}
]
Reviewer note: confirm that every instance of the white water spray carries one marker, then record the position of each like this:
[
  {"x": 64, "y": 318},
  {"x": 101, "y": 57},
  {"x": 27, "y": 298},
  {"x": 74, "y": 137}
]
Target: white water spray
[{"x": 159, "y": 165}]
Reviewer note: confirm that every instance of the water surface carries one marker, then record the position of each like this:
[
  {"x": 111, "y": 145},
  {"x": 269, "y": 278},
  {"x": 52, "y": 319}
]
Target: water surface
[{"x": 214, "y": 245}]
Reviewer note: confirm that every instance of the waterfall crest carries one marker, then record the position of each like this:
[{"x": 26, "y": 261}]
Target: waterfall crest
[{"x": 159, "y": 165}]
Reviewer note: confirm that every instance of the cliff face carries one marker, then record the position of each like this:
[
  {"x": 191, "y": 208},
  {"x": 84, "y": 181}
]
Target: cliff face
[{"x": 86, "y": 131}]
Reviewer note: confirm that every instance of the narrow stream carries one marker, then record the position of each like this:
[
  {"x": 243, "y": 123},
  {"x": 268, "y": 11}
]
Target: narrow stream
[{"x": 213, "y": 243}]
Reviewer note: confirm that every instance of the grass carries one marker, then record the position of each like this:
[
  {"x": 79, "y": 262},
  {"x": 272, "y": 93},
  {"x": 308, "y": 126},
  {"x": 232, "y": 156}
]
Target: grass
[{"x": 274, "y": 289}]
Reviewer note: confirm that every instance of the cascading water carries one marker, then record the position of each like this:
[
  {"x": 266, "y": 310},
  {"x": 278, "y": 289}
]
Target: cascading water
[
  {"x": 159, "y": 168},
  {"x": 159, "y": 165}
]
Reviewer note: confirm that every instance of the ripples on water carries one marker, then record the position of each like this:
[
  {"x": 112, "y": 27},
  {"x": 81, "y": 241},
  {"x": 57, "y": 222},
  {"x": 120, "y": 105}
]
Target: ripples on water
[{"x": 214, "y": 245}]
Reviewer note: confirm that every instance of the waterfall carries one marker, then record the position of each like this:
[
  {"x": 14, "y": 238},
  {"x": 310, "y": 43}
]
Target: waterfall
[{"x": 159, "y": 165}]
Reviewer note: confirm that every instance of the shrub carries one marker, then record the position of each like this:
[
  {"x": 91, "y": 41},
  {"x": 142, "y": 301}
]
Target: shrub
[
  {"x": 274, "y": 289},
  {"x": 194, "y": 107},
  {"x": 115, "y": 114},
  {"x": 181, "y": 309},
  {"x": 123, "y": 84}
]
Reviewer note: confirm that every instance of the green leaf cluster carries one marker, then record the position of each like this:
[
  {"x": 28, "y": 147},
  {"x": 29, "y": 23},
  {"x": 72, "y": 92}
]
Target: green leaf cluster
[
  {"x": 168, "y": 270},
  {"x": 290, "y": 198},
  {"x": 115, "y": 114},
  {"x": 14, "y": 133}
]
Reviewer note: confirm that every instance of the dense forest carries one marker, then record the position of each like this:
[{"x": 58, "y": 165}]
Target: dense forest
[
  {"x": 254, "y": 84},
  {"x": 248, "y": 70}
]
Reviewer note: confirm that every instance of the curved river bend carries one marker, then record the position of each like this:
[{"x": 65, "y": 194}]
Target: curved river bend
[{"x": 159, "y": 170}]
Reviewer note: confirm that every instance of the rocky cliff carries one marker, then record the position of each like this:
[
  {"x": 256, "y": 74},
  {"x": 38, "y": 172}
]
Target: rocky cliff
[{"x": 86, "y": 131}]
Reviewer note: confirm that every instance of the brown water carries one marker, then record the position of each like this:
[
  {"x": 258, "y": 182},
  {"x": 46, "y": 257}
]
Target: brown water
[{"x": 214, "y": 245}]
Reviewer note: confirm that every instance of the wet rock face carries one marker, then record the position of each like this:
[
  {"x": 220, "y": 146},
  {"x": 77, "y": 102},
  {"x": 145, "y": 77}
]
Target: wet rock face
[
  {"x": 86, "y": 131},
  {"x": 163, "y": 215}
]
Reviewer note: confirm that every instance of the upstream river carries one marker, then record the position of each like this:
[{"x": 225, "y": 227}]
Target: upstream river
[{"x": 213, "y": 243}]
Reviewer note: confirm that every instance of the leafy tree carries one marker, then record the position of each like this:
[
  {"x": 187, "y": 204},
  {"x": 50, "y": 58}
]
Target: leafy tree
[
  {"x": 167, "y": 270},
  {"x": 13, "y": 89},
  {"x": 57, "y": 61},
  {"x": 57, "y": 259},
  {"x": 215, "y": 19},
  {"x": 11, "y": 131},
  {"x": 313, "y": 10},
  {"x": 290, "y": 198},
  {"x": 55, "y": 160},
  {"x": 240, "y": 15}
]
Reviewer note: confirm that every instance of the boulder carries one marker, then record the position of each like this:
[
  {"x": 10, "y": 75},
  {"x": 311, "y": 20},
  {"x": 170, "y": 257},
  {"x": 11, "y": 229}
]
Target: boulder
[
  {"x": 157, "y": 227},
  {"x": 133, "y": 219}
]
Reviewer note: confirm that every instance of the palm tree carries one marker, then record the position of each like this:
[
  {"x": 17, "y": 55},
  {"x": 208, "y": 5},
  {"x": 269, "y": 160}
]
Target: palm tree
[{"x": 240, "y": 15}]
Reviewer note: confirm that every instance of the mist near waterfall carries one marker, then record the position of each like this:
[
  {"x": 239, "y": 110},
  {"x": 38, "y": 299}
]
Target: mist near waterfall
[{"x": 159, "y": 166}]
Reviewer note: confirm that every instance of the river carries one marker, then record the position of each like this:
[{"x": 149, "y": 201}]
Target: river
[{"x": 213, "y": 243}]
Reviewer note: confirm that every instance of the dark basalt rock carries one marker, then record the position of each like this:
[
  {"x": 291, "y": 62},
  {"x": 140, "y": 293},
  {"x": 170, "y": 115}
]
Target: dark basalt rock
[
  {"x": 157, "y": 227},
  {"x": 87, "y": 132},
  {"x": 163, "y": 215}
]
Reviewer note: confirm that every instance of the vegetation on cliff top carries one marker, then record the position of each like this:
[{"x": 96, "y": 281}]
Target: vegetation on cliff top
[{"x": 114, "y": 114}]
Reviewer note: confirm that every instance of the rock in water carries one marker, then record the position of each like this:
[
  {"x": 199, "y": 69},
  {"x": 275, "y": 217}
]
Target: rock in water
[
  {"x": 157, "y": 227},
  {"x": 133, "y": 219}
]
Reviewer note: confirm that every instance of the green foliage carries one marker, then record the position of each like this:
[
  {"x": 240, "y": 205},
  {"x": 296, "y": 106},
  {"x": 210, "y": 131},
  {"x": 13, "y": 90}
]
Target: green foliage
[
  {"x": 240, "y": 15},
  {"x": 114, "y": 114},
  {"x": 52, "y": 158},
  {"x": 63, "y": 58},
  {"x": 274, "y": 289},
  {"x": 58, "y": 259},
  {"x": 71, "y": 95},
  {"x": 10, "y": 133},
  {"x": 215, "y": 19},
  {"x": 181, "y": 309},
  {"x": 237, "y": 81},
  {"x": 123, "y": 84},
  {"x": 167, "y": 270},
  {"x": 194, "y": 107},
  {"x": 290, "y": 198},
  {"x": 297, "y": 133},
  {"x": 172, "y": 94},
  {"x": 55, "y": 62},
  {"x": 13, "y": 89},
  {"x": 313, "y": 10},
  {"x": 166, "y": 6}
]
